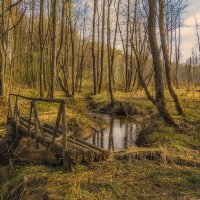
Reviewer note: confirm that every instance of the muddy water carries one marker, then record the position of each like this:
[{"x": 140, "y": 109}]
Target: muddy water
[{"x": 120, "y": 134}]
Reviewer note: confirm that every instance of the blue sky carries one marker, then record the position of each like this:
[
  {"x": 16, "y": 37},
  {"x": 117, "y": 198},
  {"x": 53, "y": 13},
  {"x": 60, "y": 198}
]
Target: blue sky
[{"x": 189, "y": 39}]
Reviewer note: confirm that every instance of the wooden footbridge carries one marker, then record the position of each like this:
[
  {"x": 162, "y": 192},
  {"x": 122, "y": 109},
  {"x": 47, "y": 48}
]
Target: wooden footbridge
[{"x": 56, "y": 137}]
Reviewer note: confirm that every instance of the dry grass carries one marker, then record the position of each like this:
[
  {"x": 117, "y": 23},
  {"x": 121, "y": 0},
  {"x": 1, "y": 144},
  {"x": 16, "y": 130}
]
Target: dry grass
[
  {"x": 161, "y": 155},
  {"x": 167, "y": 166},
  {"x": 113, "y": 179}
]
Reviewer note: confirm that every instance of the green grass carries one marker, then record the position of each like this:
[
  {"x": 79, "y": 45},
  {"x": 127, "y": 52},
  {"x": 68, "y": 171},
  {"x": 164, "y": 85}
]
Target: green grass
[
  {"x": 125, "y": 104},
  {"x": 171, "y": 174}
]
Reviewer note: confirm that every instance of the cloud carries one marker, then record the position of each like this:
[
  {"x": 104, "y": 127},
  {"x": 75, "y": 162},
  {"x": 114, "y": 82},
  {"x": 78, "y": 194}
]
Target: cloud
[{"x": 188, "y": 31}]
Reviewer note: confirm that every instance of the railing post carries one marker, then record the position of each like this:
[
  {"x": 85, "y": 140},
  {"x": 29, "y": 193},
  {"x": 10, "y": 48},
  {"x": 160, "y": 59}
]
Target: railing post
[
  {"x": 57, "y": 123},
  {"x": 16, "y": 115},
  {"x": 9, "y": 116},
  {"x": 30, "y": 116},
  {"x": 66, "y": 156},
  {"x": 35, "y": 124},
  {"x": 15, "y": 108}
]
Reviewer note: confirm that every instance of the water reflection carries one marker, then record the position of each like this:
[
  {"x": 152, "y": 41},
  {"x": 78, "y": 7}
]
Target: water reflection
[{"x": 120, "y": 134}]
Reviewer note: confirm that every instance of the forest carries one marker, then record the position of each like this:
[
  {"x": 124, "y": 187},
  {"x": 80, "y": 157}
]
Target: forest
[{"x": 98, "y": 99}]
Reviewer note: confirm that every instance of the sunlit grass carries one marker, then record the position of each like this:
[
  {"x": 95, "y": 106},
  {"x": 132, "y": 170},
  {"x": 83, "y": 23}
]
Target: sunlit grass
[{"x": 128, "y": 178}]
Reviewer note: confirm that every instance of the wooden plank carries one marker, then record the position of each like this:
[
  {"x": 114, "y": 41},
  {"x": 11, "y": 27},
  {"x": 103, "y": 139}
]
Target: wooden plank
[
  {"x": 100, "y": 154},
  {"x": 57, "y": 123},
  {"x": 40, "y": 99},
  {"x": 15, "y": 109},
  {"x": 66, "y": 158},
  {"x": 81, "y": 141},
  {"x": 30, "y": 116},
  {"x": 105, "y": 152},
  {"x": 36, "y": 117},
  {"x": 16, "y": 116},
  {"x": 56, "y": 147},
  {"x": 9, "y": 116},
  {"x": 95, "y": 155},
  {"x": 86, "y": 153},
  {"x": 35, "y": 125}
]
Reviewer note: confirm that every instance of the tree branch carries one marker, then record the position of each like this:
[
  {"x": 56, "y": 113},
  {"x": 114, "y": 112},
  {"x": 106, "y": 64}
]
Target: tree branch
[{"x": 13, "y": 25}]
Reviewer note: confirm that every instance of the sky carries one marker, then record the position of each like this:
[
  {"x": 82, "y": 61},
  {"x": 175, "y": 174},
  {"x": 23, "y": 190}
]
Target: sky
[{"x": 188, "y": 32}]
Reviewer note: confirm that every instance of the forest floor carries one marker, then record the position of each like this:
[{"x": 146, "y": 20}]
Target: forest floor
[{"x": 165, "y": 165}]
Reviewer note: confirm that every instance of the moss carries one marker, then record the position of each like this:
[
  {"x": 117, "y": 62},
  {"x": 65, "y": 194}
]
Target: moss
[
  {"x": 194, "y": 179},
  {"x": 125, "y": 104}
]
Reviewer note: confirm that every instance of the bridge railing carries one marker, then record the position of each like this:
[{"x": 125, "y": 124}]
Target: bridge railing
[{"x": 14, "y": 118}]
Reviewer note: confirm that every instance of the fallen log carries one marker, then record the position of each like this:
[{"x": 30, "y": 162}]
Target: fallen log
[
  {"x": 105, "y": 153},
  {"x": 56, "y": 147},
  {"x": 89, "y": 152},
  {"x": 93, "y": 154},
  {"x": 84, "y": 154}
]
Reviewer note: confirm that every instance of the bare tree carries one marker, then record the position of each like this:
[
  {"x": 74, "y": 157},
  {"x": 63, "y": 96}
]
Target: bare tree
[
  {"x": 158, "y": 75},
  {"x": 166, "y": 56},
  {"x": 102, "y": 47},
  {"x": 93, "y": 48},
  {"x": 54, "y": 43}
]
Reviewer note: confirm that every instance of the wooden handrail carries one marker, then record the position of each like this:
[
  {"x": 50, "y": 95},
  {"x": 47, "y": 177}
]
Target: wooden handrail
[
  {"x": 47, "y": 100},
  {"x": 55, "y": 137},
  {"x": 37, "y": 124}
]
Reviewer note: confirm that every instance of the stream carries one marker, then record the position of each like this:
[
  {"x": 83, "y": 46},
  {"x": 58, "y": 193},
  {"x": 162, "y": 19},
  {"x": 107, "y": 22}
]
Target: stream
[{"x": 120, "y": 134}]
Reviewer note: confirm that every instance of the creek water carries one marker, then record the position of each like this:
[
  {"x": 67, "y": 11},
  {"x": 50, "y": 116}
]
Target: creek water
[{"x": 120, "y": 134}]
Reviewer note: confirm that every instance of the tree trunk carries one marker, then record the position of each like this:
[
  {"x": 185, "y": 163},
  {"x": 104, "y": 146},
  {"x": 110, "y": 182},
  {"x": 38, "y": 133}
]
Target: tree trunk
[
  {"x": 127, "y": 48},
  {"x": 102, "y": 47},
  {"x": 93, "y": 49},
  {"x": 41, "y": 34},
  {"x": 54, "y": 42},
  {"x": 166, "y": 57},
  {"x": 109, "y": 55},
  {"x": 1, "y": 76},
  {"x": 73, "y": 46},
  {"x": 158, "y": 75}
]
